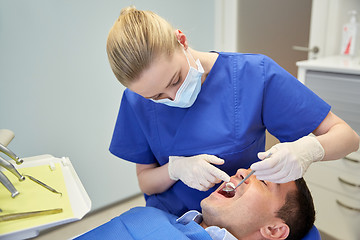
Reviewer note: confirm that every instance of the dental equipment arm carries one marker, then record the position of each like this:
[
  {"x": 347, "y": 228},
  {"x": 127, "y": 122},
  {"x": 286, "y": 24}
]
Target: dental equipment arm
[
  {"x": 5, "y": 138},
  {"x": 6, "y": 182},
  {"x": 7, "y": 165},
  {"x": 12, "y": 155}
]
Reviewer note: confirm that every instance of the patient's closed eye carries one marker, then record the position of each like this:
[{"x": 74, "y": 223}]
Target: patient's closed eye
[
  {"x": 176, "y": 83},
  {"x": 157, "y": 97},
  {"x": 263, "y": 182}
]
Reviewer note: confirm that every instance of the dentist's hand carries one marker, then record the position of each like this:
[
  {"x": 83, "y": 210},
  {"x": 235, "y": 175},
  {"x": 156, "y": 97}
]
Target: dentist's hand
[
  {"x": 197, "y": 171},
  {"x": 289, "y": 161}
]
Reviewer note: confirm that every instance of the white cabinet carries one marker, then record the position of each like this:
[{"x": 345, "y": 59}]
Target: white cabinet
[{"x": 335, "y": 185}]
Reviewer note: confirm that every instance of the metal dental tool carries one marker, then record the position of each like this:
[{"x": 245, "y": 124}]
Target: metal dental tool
[
  {"x": 8, "y": 165},
  {"x": 15, "y": 216},
  {"x": 6, "y": 182},
  {"x": 12, "y": 155},
  {"x": 43, "y": 184},
  {"x": 5, "y": 138},
  {"x": 229, "y": 187}
]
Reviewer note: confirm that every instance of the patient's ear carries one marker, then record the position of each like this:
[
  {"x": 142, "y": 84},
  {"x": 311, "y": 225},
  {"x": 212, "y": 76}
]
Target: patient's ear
[{"x": 277, "y": 230}]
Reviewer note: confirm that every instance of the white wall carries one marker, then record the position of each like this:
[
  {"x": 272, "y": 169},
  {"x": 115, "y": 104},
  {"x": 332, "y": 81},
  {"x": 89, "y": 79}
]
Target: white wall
[
  {"x": 340, "y": 15},
  {"x": 57, "y": 92},
  {"x": 327, "y": 20}
]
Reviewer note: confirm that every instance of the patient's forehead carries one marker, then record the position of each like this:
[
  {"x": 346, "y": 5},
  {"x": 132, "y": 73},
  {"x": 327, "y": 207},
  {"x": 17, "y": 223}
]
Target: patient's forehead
[{"x": 283, "y": 189}]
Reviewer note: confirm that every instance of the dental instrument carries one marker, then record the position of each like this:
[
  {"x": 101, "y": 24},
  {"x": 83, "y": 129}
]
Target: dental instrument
[
  {"x": 10, "y": 167},
  {"x": 230, "y": 187},
  {"x": 11, "y": 154},
  {"x": 5, "y": 181},
  {"x": 5, "y": 138},
  {"x": 16, "y": 216},
  {"x": 8, "y": 185},
  {"x": 43, "y": 184}
]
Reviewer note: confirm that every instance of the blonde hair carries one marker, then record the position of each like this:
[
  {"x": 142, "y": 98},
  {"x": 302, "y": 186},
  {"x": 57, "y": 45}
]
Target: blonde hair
[{"x": 135, "y": 40}]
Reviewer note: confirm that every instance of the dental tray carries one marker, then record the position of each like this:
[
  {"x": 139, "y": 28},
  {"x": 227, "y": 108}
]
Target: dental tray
[{"x": 55, "y": 172}]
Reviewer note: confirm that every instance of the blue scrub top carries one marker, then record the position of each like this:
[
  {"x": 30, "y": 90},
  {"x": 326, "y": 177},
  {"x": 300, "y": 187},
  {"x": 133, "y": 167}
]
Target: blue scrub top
[{"x": 243, "y": 95}]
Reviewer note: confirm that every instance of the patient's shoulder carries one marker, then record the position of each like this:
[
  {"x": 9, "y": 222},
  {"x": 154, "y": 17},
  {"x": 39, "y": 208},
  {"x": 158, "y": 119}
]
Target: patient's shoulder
[
  {"x": 147, "y": 214},
  {"x": 140, "y": 210}
]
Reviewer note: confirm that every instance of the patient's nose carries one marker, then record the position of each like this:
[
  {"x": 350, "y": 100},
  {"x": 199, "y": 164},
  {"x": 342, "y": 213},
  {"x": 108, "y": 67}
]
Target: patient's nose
[{"x": 242, "y": 172}]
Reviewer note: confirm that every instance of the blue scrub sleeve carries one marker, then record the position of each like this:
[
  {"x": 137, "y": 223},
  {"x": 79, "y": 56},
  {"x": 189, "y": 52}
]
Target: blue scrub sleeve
[
  {"x": 128, "y": 140},
  {"x": 290, "y": 109}
]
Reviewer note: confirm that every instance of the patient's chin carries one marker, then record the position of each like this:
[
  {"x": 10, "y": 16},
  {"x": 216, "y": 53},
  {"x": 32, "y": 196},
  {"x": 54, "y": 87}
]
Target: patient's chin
[{"x": 211, "y": 216}]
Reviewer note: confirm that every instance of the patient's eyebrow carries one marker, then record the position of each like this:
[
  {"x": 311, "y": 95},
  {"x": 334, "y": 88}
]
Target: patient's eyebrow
[{"x": 277, "y": 187}]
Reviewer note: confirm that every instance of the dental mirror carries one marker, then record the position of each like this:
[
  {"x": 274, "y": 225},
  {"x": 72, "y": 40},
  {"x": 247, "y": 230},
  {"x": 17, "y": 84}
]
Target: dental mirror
[{"x": 229, "y": 189}]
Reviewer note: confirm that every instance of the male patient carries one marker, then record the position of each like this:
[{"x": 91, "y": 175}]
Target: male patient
[{"x": 259, "y": 210}]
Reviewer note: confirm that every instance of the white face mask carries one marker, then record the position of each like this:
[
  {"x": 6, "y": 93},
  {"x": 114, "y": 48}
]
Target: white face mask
[{"x": 189, "y": 90}]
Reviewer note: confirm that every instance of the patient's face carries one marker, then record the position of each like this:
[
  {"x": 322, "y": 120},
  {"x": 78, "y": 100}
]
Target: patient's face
[{"x": 254, "y": 204}]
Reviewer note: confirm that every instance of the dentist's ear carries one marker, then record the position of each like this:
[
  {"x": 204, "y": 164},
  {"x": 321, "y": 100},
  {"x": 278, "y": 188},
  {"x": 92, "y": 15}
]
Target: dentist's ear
[
  {"x": 279, "y": 230},
  {"x": 181, "y": 38}
]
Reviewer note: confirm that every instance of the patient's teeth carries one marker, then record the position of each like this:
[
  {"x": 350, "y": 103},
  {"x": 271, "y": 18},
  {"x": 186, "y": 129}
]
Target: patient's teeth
[{"x": 230, "y": 184}]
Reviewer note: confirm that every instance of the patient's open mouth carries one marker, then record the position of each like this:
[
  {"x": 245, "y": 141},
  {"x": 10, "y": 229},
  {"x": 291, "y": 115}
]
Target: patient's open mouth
[{"x": 228, "y": 194}]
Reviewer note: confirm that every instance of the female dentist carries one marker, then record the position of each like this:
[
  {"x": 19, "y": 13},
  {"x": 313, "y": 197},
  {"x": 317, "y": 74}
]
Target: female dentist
[{"x": 189, "y": 119}]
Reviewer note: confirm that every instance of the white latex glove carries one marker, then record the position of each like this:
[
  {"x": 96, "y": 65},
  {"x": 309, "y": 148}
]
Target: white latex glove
[
  {"x": 197, "y": 171},
  {"x": 289, "y": 161}
]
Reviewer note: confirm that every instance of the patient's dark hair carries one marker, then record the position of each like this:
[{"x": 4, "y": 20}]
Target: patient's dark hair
[{"x": 298, "y": 211}]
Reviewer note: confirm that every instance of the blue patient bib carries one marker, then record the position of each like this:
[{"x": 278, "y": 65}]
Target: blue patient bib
[{"x": 146, "y": 223}]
